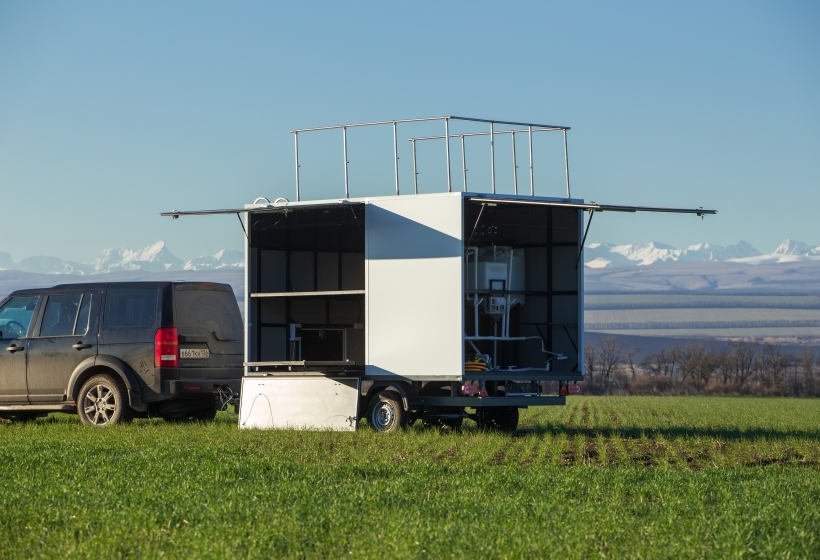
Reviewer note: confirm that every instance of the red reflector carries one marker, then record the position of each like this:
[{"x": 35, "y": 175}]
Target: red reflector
[
  {"x": 470, "y": 389},
  {"x": 193, "y": 388},
  {"x": 166, "y": 348},
  {"x": 573, "y": 389}
]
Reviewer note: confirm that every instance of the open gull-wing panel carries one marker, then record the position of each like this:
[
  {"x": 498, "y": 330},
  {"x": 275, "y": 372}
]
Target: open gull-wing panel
[
  {"x": 589, "y": 206},
  {"x": 275, "y": 207}
]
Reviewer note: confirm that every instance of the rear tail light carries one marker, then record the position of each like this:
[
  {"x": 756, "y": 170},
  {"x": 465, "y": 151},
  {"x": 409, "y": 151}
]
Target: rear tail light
[{"x": 166, "y": 348}]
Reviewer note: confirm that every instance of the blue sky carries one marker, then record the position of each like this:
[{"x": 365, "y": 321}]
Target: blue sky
[{"x": 111, "y": 112}]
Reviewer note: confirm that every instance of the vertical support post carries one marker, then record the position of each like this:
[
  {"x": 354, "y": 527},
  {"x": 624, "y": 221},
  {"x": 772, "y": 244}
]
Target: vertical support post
[
  {"x": 447, "y": 147},
  {"x": 515, "y": 169},
  {"x": 492, "y": 160},
  {"x": 415, "y": 173},
  {"x": 344, "y": 146},
  {"x": 396, "y": 158},
  {"x": 296, "y": 149},
  {"x": 566, "y": 161},
  {"x": 532, "y": 184},
  {"x": 463, "y": 163}
]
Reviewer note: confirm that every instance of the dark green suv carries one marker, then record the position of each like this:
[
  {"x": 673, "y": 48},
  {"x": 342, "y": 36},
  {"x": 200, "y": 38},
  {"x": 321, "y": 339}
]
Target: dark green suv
[{"x": 115, "y": 351}]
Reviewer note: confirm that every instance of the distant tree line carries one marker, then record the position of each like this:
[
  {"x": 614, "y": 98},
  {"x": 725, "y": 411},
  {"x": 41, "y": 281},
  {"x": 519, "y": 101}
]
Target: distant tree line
[{"x": 740, "y": 367}]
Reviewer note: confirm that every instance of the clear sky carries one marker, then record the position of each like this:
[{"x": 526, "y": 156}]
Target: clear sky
[{"x": 111, "y": 112}]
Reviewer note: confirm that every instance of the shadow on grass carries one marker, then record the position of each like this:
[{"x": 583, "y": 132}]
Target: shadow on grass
[{"x": 552, "y": 429}]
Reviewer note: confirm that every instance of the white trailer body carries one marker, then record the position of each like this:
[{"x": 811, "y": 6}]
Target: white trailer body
[{"x": 431, "y": 307}]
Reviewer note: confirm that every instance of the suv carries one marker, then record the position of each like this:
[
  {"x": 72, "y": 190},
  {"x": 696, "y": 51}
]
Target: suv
[{"x": 120, "y": 350}]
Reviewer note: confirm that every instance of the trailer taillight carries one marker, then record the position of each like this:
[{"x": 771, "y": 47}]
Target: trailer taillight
[{"x": 166, "y": 348}]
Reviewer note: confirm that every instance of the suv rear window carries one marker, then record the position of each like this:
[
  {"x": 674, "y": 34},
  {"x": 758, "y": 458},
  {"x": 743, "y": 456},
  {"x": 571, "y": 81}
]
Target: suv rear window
[
  {"x": 130, "y": 306},
  {"x": 210, "y": 307}
]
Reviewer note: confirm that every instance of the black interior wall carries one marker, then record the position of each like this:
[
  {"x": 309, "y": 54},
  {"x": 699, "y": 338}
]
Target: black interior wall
[
  {"x": 306, "y": 250},
  {"x": 550, "y": 239}
]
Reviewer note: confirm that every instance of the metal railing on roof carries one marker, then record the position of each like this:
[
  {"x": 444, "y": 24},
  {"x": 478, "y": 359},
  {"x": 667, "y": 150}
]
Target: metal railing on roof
[{"x": 530, "y": 128}]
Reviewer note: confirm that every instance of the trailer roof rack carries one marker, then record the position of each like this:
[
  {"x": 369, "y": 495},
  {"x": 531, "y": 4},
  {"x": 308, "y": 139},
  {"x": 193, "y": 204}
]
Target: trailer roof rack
[{"x": 283, "y": 205}]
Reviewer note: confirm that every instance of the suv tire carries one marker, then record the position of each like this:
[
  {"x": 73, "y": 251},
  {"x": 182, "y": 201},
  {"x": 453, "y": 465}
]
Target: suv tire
[{"x": 101, "y": 401}]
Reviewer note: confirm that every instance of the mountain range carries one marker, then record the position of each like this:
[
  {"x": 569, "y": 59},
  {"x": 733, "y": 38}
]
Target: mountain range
[
  {"x": 605, "y": 255},
  {"x": 158, "y": 258},
  {"x": 154, "y": 258},
  {"x": 610, "y": 268}
]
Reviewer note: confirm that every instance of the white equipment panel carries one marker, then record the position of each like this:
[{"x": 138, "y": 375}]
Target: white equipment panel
[
  {"x": 313, "y": 403},
  {"x": 413, "y": 288}
]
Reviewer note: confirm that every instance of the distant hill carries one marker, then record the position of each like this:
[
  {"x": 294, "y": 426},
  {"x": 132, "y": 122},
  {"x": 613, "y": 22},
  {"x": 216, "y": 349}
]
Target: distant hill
[{"x": 796, "y": 276}]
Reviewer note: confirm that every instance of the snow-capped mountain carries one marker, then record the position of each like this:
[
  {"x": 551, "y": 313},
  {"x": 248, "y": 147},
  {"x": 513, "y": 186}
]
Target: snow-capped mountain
[
  {"x": 225, "y": 258},
  {"x": 786, "y": 252},
  {"x": 154, "y": 258},
  {"x": 602, "y": 255}
]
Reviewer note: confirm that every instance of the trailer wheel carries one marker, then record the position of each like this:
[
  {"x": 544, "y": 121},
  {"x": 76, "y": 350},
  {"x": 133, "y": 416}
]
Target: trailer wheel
[
  {"x": 504, "y": 419},
  {"x": 386, "y": 413}
]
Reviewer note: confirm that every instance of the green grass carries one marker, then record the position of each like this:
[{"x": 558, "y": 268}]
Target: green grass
[{"x": 612, "y": 477}]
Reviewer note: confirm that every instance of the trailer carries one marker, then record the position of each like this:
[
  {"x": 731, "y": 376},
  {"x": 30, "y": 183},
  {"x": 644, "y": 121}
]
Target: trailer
[{"x": 415, "y": 307}]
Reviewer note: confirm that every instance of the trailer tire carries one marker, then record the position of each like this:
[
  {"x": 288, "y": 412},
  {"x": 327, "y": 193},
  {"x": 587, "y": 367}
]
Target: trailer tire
[
  {"x": 385, "y": 412},
  {"x": 503, "y": 419}
]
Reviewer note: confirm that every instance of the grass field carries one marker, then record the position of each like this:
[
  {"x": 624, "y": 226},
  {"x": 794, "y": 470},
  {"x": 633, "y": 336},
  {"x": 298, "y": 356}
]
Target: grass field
[{"x": 604, "y": 476}]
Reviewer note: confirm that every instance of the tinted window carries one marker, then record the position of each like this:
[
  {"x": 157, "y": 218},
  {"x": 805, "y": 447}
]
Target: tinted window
[
  {"x": 82, "y": 318},
  {"x": 15, "y": 316},
  {"x": 130, "y": 307},
  {"x": 215, "y": 311},
  {"x": 61, "y": 311}
]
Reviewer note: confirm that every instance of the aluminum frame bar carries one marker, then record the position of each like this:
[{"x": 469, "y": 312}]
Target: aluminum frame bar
[
  {"x": 447, "y": 149},
  {"x": 463, "y": 163},
  {"x": 344, "y": 142},
  {"x": 515, "y": 166},
  {"x": 415, "y": 173},
  {"x": 452, "y": 117},
  {"x": 296, "y": 150},
  {"x": 492, "y": 157},
  {"x": 566, "y": 162},
  {"x": 496, "y": 132},
  {"x": 532, "y": 182},
  {"x": 396, "y": 157}
]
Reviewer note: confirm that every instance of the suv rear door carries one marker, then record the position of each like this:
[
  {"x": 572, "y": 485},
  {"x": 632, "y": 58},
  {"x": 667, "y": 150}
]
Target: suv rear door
[
  {"x": 64, "y": 337},
  {"x": 210, "y": 329}
]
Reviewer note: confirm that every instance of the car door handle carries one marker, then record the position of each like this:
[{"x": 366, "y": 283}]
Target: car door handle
[
  {"x": 14, "y": 348},
  {"x": 80, "y": 346}
]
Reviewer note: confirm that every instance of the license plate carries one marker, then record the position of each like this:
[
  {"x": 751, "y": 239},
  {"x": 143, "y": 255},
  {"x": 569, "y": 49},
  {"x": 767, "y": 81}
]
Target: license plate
[{"x": 194, "y": 353}]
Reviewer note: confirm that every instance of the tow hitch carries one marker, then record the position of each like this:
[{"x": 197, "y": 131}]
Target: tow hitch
[{"x": 224, "y": 397}]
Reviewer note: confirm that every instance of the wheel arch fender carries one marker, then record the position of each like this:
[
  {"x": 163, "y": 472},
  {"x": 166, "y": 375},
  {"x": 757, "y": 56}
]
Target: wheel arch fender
[
  {"x": 404, "y": 389},
  {"x": 107, "y": 364}
]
